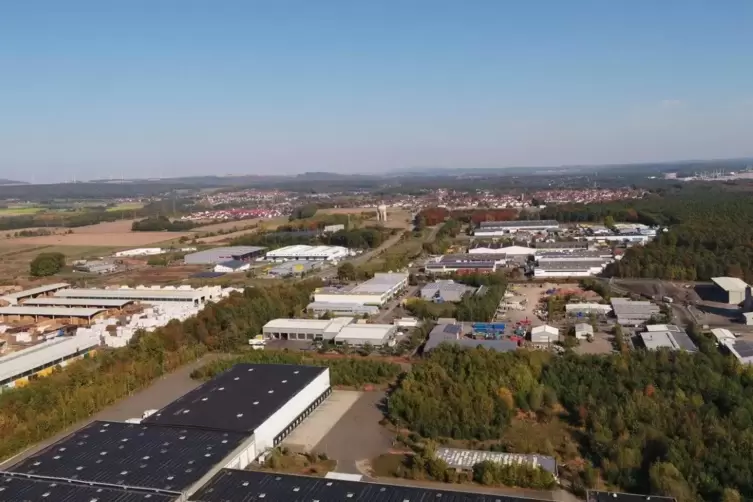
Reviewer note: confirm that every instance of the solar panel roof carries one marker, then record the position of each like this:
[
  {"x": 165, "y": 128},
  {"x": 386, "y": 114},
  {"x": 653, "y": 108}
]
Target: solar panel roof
[
  {"x": 230, "y": 485},
  {"x": 240, "y": 399},
  {"x": 20, "y": 488},
  {"x": 136, "y": 455}
]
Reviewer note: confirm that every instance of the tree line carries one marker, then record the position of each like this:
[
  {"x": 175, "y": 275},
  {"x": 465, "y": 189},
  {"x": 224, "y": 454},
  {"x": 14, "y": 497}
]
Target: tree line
[
  {"x": 348, "y": 372},
  {"x": 161, "y": 224},
  {"x": 48, "y": 405}
]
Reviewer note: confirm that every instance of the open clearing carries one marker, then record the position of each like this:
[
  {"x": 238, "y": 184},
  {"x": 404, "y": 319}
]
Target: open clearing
[
  {"x": 267, "y": 223},
  {"x": 126, "y": 206},
  {"x": 20, "y": 211},
  {"x": 109, "y": 239}
]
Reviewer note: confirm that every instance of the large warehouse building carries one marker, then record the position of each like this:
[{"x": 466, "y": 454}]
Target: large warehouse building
[
  {"x": 501, "y": 228},
  {"x": 27, "y": 294},
  {"x": 302, "y": 252},
  {"x": 733, "y": 289},
  {"x": 17, "y": 368},
  {"x": 227, "y": 422},
  {"x": 338, "y": 330},
  {"x": 223, "y": 254},
  {"x": 376, "y": 291},
  {"x": 191, "y": 296}
]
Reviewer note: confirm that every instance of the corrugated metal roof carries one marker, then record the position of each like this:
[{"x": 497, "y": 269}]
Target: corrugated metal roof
[
  {"x": 131, "y": 294},
  {"x": 42, "y": 354},
  {"x": 76, "y": 302},
  {"x": 50, "y": 311},
  {"x": 37, "y": 291},
  {"x": 730, "y": 283}
]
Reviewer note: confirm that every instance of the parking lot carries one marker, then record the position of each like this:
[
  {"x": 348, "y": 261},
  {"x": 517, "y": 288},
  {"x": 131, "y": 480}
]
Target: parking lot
[
  {"x": 347, "y": 430},
  {"x": 313, "y": 430}
]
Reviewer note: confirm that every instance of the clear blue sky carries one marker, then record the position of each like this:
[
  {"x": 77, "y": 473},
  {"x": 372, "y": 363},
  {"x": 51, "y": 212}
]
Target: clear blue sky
[{"x": 178, "y": 87}]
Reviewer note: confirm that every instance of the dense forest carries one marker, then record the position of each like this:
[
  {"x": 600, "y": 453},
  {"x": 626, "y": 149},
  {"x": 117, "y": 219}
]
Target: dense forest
[
  {"x": 348, "y": 372},
  {"x": 48, "y": 405},
  {"x": 709, "y": 233},
  {"x": 653, "y": 422}
]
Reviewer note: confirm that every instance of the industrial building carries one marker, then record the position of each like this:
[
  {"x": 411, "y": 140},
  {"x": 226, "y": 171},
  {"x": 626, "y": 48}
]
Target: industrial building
[
  {"x": 22, "y": 313},
  {"x": 358, "y": 335},
  {"x": 110, "y": 304},
  {"x": 445, "y": 291},
  {"x": 25, "y": 487},
  {"x": 542, "y": 247},
  {"x": 464, "y": 460},
  {"x": 733, "y": 288},
  {"x": 568, "y": 268},
  {"x": 95, "y": 266},
  {"x": 304, "y": 329},
  {"x": 579, "y": 255},
  {"x": 146, "y": 295},
  {"x": 633, "y": 313},
  {"x": 223, "y": 254},
  {"x": 581, "y": 309},
  {"x": 331, "y": 229},
  {"x": 583, "y": 331},
  {"x": 231, "y": 485},
  {"x": 667, "y": 336},
  {"x": 453, "y": 334},
  {"x": 466, "y": 263},
  {"x": 227, "y": 422},
  {"x": 231, "y": 266},
  {"x": 338, "y": 330},
  {"x": 302, "y": 252},
  {"x": 741, "y": 349},
  {"x": 139, "y": 252},
  {"x": 47, "y": 290},
  {"x": 342, "y": 309},
  {"x": 264, "y": 401},
  {"x": 376, "y": 291},
  {"x": 17, "y": 368},
  {"x": 627, "y": 238},
  {"x": 509, "y": 251},
  {"x": 545, "y": 334},
  {"x": 501, "y": 228},
  {"x": 293, "y": 268}
]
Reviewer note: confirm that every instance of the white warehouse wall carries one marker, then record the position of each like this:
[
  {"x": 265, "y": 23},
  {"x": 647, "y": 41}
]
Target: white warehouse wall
[
  {"x": 345, "y": 298},
  {"x": 265, "y": 434}
]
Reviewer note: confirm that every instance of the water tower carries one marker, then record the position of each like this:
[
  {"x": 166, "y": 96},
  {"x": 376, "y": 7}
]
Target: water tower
[{"x": 382, "y": 213}]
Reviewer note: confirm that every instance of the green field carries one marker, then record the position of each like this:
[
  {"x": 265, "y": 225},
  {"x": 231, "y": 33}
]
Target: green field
[
  {"x": 126, "y": 206},
  {"x": 20, "y": 211}
]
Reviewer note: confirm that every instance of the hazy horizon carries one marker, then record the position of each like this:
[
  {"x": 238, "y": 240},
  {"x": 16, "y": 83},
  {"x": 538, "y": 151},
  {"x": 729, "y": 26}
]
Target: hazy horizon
[{"x": 139, "y": 89}]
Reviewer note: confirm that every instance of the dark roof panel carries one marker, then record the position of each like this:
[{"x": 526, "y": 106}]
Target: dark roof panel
[
  {"x": 135, "y": 455},
  {"x": 240, "y": 399},
  {"x": 596, "y": 496},
  {"x": 231, "y": 485},
  {"x": 20, "y": 488}
]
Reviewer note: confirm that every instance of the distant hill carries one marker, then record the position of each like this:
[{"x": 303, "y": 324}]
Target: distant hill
[{"x": 4, "y": 182}]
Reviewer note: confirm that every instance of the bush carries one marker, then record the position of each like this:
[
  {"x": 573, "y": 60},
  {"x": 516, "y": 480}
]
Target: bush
[{"x": 46, "y": 264}]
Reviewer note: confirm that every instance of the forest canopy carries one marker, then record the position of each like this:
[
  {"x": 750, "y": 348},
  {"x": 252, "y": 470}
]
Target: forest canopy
[{"x": 655, "y": 422}]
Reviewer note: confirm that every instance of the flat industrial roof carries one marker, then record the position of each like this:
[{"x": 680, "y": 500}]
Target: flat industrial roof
[
  {"x": 128, "y": 293},
  {"x": 239, "y": 400},
  {"x": 229, "y": 250},
  {"x": 518, "y": 223},
  {"x": 380, "y": 283},
  {"x": 309, "y": 324},
  {"x": 597, "y": 496},
  {"x": 673, "y": 340},
  {"x": 50, "y": 311},
  {"x": 730, "y": 283},
  {"x": 147, "y": 456},
  {"x": 571, "y": 265},
  {"x": 19, "y": 362},
  {"x": 624, "y": 307},
  {"x": 48, "y": 301},
  {"x": 377, "y": 332},
  {"x": 466, "y": 459},
  {"x": 562, "y": 245},
  {"x": 19, "y": 487},
  {"x": 231, "y": 485},
  {"x": 37, "y": 291}
]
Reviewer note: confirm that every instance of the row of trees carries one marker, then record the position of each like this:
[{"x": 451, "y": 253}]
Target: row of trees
[
  {"x": 443, "y": 240},
  {"x": 669, "y": 423},
  {"x": 161, "y": 224},
  {"x": 357, "y": 238},
  {"x": 350, "y": 372},
  {"x": 48, "y": 405}
]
